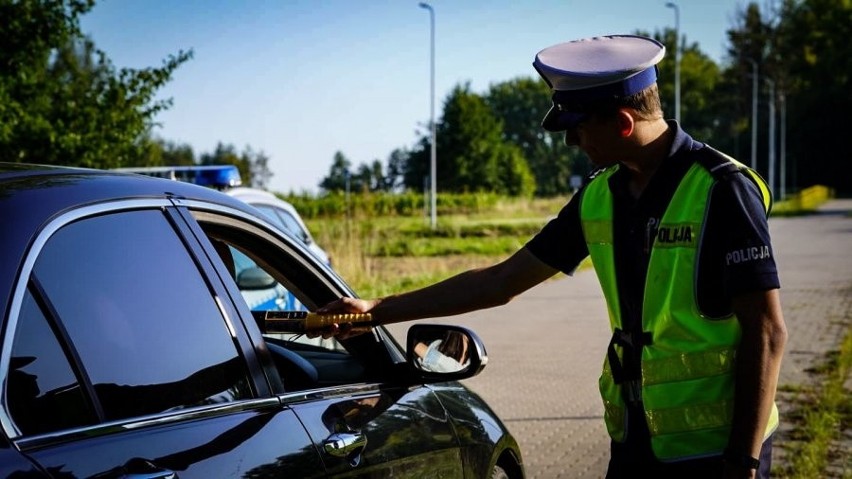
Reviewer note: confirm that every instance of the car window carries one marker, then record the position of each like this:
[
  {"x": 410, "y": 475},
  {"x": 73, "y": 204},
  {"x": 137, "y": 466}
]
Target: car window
[
  {"x": 44, "y": 394},
  {"x": 259, "y": 289},
  {"x": 284, "y": 220},
  {"x": 262, "y": 292},
  {"x": 135, "y": 316},
  {"x": 261, "y": 265},
  {"x": 291, "y": 223}
]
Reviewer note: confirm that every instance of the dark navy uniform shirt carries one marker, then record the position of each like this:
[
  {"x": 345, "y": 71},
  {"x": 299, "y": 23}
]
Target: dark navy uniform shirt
[
  {"x": 735, "y": 228},
  {"x": 727, "y": 266}
]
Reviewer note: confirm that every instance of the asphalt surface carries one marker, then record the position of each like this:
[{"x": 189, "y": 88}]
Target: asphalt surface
[{"x": 546, "y": 347}]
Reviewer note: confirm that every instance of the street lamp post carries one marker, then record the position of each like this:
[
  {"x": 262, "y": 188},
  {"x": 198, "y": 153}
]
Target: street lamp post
[
  {"x": 771, "y": 168},
  {"x": 783, "y": 101},
  {"x": 432, "y": 166},
  {"x": 674, "y": 6},
  {"x": 754, "y": 93}
]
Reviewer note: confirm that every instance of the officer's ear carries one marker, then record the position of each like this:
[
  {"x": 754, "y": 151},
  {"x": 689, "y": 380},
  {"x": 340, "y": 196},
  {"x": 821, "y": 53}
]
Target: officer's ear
[{"x": 625, "y": 122}]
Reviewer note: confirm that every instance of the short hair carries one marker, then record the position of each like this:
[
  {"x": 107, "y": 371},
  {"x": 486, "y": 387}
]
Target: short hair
[{"x": 646, "y": 103}]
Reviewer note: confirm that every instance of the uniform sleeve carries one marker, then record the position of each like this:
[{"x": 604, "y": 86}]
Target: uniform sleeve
[
  {"x": 738, "y": 256},
  {"x": 560, "y": 243}
]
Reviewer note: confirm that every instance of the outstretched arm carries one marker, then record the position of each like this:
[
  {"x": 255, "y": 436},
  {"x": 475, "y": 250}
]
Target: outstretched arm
[{"x": 469, "y": 291}]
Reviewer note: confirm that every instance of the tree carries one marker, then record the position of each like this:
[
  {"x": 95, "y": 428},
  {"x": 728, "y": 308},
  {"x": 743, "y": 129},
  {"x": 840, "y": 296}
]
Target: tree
[
  {"x": 801, "y": 46},
  {"x": 813, "y": 41},
  {"x": 415, "y": 173},
  {"x": 378, "y": 180},
  {"x": 471, "y": 152},
  {"x": 222, "y": 155},
  {"x": 253, "y": 166},
  {"x": 159, "y": 152},
  {"x": 396, "y": 169},
  {"x": 259, "y": 172},
  {"x": 362, "y": 180},
  {"x": 338, "y": 174},
  {"x": 699, "y": 76},
  {"x": 61, "y": 100},
  {"x": 750, "y": 41},
  {"x": 521, "y": 104},
  {"x": 177, "y": 154}
]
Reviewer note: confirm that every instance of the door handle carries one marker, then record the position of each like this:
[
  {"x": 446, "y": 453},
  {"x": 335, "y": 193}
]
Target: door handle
[
  {"x": 138, "y": 468},
  {"x": 162, "y": 474},
  {"x": 348, "y": 445}
]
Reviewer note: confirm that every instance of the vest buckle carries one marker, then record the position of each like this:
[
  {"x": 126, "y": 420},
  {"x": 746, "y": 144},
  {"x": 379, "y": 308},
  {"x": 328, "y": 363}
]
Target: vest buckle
[
  {"x": 632, "y": 391},
  {"x": 626, "y": 340}
]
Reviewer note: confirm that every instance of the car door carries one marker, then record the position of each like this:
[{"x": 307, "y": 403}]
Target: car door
[
  {"x": 123, "y": 359},
  {"x": 361, "y": 417},
  {"x": 382, "y": 432}
]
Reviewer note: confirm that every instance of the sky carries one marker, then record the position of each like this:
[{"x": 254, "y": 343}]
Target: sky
[{"x": 302, "y": 79}]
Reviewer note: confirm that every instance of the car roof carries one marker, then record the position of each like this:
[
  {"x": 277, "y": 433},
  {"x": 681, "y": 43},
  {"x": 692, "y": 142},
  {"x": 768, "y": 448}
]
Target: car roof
[
  {"x": 47, "y": 189},
  {"x": 253, "y": 195},
  {"x": 31, "y": 195}
]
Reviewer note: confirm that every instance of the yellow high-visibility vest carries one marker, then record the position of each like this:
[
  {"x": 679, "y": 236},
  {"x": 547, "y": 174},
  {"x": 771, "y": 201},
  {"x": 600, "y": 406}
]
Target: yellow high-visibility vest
[{"x": 687, "y": 360}]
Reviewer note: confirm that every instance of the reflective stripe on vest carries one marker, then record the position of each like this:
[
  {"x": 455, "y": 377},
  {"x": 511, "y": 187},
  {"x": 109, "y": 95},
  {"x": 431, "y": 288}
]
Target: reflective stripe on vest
[{"x": 687, "y": 368}]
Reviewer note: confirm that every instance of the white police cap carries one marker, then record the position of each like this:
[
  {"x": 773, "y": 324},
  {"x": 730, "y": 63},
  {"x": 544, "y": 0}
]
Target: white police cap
[{"x": 584, "y": 71}]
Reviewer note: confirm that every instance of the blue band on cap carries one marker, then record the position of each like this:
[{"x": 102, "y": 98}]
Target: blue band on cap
[{"x": 626, "y": 87}]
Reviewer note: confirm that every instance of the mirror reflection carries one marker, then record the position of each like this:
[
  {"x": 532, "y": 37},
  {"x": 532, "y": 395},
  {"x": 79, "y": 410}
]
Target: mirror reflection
[{"x": 447, "y": 353}]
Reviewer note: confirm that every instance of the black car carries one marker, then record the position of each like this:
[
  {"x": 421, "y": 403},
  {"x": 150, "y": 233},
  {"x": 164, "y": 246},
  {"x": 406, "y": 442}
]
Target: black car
[{"x": 129, "y": 350}]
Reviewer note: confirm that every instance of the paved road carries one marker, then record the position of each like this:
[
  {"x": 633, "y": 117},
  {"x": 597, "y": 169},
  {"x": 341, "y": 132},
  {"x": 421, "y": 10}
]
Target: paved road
[{"x": 546, "y": 347}]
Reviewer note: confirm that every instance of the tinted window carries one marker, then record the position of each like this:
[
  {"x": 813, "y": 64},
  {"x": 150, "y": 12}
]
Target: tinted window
[
  {"x": 262, "y": 270},
  {"x": 43, "y": 393},
  {"x": 284, "y": 220},
  {"x": 272, "y": 296},
  {"x": 291, "y": 223},
  {"x": 142, "y": 320}
]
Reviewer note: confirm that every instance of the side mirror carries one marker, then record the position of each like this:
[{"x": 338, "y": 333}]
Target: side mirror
[
  {"x": 439, "y": 352},
  {"x": 255, "y": 278}
]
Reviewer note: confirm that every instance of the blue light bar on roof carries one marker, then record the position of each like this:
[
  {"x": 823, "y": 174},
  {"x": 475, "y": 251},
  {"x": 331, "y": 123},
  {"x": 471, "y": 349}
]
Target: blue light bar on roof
[
  {"x": 225, "y": 176},
  {"x": 213, "y": 176}
]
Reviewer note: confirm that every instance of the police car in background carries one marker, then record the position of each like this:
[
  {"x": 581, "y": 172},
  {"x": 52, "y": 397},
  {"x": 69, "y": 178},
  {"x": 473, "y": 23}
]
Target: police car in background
[
  {"x": 226, "y": 178},
  {"x": 282, "y": 214},
  {"x": 260, "y": 293}
]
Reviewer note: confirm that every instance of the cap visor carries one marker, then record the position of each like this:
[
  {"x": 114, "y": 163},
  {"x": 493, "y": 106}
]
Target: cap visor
[{"x": 557, "y": 120}]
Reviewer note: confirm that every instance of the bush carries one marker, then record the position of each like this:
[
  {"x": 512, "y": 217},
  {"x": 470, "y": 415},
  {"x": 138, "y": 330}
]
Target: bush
[{"x": 373, "y": 205}]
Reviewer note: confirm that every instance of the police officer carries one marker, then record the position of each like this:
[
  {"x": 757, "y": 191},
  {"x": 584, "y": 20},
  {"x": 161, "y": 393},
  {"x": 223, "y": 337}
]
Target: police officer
[{"x": 678, "y": 236}]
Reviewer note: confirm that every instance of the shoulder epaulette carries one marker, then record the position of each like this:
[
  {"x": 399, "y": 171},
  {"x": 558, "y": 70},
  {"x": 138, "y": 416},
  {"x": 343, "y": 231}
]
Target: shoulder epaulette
[
  {"x": 595, "y": 173},
  {"x": 722, "y": 166},
  {"x": 717, "y": 163}
]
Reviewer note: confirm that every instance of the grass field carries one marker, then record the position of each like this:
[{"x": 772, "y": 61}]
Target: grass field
[{"x": 385, "y": 255}]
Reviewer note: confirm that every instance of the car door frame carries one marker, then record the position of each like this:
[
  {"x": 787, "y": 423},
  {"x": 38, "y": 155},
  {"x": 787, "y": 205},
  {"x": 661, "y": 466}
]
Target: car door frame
[
  {"x": 412, "y": 399},
  {"x": 263, "y": 403}
]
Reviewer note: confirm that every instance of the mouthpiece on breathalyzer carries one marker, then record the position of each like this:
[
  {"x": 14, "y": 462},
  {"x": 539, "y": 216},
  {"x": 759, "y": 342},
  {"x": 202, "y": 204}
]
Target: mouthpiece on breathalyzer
[{"x": 304, "y": 321}]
